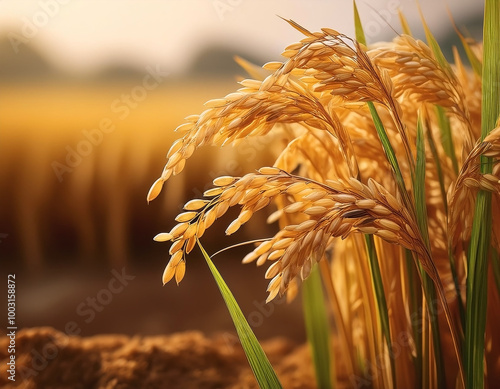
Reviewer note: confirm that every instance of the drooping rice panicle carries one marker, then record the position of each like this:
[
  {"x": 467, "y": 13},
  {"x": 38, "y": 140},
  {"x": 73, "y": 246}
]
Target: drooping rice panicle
[
  {"x": 467, "y": 185},
  {"x": 418, "y": 77},
  {"x": 324, "y": 211}
]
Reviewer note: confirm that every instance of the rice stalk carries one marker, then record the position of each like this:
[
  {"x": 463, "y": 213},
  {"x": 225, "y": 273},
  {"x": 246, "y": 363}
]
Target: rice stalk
[
  {"x": 440, "y": 175},
  {"x": 345, "y": 337},
  {"x": 495, "y": 264},
  {"x": 380, "y": 298},
  {"x": 317, "y": 328},
  {"x": 428, "y": 287},
  {"x": 446, "y": 137},
  {"x": 414, "y": 302}
]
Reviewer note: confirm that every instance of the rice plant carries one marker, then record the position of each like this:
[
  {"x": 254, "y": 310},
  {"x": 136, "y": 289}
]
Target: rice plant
[{"x": 389, "y": 182}]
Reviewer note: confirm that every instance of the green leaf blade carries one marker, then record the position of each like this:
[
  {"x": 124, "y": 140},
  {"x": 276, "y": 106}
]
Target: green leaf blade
[
  {"x": 419, "y": 184},
  {"x": 404, "y": 23},
  {"x": 261, "y": 367},
  {"x": 477, "y": 280},
  {"x": 434, "y": 45},
  {"x": 360, "y": 34}
]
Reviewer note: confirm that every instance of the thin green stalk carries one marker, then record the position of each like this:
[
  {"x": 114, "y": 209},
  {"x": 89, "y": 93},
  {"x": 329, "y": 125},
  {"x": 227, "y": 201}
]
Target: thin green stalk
[
  {"x": 495, "y": 265},
  {"x": 345, "y": 336},
  {"x": 262, "y": 369},
  {"x": 428, "y": 285},
  {"x": 426, "y": 355},
  {"x": 317, "y": 327},
  {"x": 446, "y": 137},
  {"x": 477, "y": 280},
  {"x": 443, "y": 124},
  {"x": 380, "y": 298},
  {"x": 439, "y": 169},
  {"x": 415, "y": 302},
  {"x": 431, "y": 302},
  {"x": 391, "y": 156},
  {"x": 404, "y": 23},
  {"x": 460, "y": 301},
  {"x": 477, "y": 292}
]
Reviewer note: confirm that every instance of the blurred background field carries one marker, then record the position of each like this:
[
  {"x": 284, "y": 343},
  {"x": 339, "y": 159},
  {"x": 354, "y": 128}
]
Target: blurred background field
[{"x": 63, "y": 231}]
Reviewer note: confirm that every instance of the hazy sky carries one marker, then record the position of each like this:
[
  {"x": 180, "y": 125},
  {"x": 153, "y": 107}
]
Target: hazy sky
[{"x": 85, "y": 35}]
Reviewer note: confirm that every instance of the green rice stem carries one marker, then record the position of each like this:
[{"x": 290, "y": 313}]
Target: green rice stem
[{"x": 317, "y": 327}]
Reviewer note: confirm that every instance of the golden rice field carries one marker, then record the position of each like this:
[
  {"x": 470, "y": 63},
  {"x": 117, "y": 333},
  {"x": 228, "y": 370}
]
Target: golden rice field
[{"x": 77, "y": 194}]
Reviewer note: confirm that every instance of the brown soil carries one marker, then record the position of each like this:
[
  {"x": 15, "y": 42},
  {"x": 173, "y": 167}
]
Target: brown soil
[{"x": 46, "y": 358}]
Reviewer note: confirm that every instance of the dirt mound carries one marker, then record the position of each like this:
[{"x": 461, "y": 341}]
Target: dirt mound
[{"x": 46, "y": 358}]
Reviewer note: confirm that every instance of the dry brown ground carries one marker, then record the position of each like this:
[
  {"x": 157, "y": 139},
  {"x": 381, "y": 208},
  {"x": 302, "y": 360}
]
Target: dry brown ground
[{"x": 47, "y": 358}]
